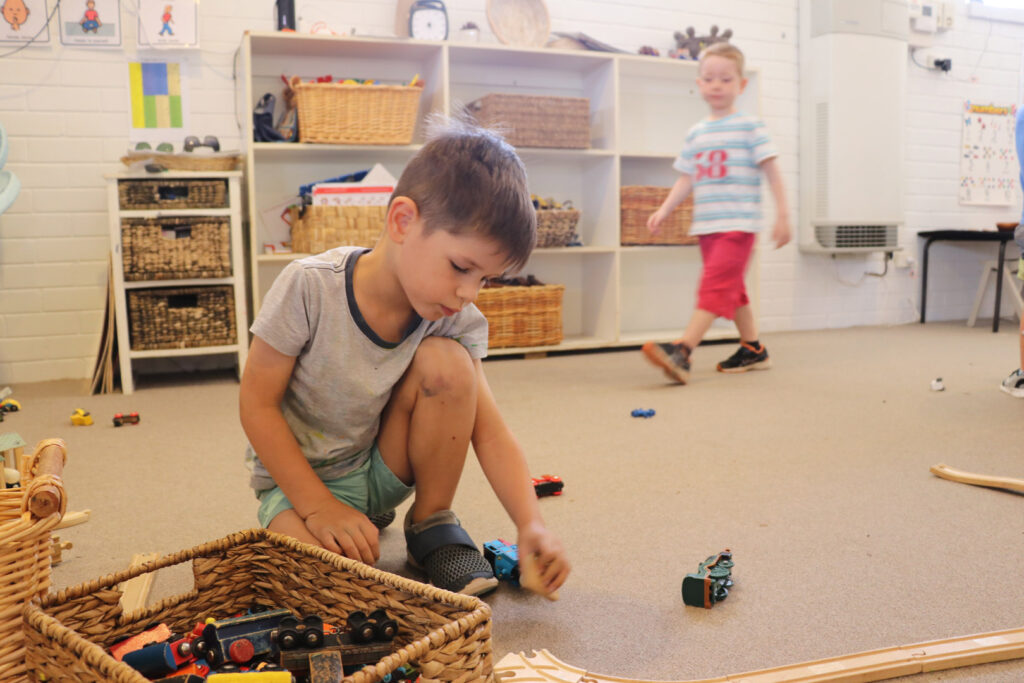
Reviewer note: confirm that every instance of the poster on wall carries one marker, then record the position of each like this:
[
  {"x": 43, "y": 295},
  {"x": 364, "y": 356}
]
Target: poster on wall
[
  {"x": 24, "y": 21},
  {"x": 988, "y": 158},
  {"x": 158, "y": 103},
  {"x": 95, "y": 23},
  {"x": 168, "y": 24}
]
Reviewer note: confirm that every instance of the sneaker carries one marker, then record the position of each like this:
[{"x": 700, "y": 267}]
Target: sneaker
[
  {"x": 383, "y": 519},
  {"x": 1014, "y": 384},
  {"x": 673, "y": 358},
  {"x": 441, "y": 548},
  {"x": 747, "y": 357}
]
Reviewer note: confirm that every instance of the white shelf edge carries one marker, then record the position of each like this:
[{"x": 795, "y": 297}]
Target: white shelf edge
[
  {"x": 189, "y": 282},
  {"x": 164, "y": 175},
  {"x": 652, "y": 156},
  {"x": 191, "y": 351},
  {"x": 647, "y": 248},
  {"x": 171, "y": 213},
  {"x": 574, "y": 250},
  {"x": 317, "y": 147}
]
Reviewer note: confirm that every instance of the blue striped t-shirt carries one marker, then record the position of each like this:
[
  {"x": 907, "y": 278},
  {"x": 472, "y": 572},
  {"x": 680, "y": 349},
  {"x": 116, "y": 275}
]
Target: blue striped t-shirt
[{"x": 723, "y": 158}]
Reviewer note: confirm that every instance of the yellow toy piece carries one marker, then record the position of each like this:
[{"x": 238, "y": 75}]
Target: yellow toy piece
[
  {"x": 9, "y": 405},
  {"x": 81, "y": 418}
]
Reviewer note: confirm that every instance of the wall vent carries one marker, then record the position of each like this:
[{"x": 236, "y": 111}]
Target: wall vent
[{"x": 882, "y": 237}]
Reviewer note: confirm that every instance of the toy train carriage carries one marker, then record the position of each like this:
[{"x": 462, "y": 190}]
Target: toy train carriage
[
  {"x": 242, "y": 639},
  {"x": 504, "y": 560},
  {"x": 711, "y": 582}
]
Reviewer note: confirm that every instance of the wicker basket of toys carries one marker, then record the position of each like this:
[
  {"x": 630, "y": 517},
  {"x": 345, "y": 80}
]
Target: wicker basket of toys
[
  {"x": 148, "y": 195},
  {"x": 556, "y": 227},
  {"x": 536, "y": 120},
  {"x": 172, "y": 248},
  {"x": 638, "y": 202},
  {"x": 181, "y": 318},
  {"x": 447, "y": 635},
  {"x": 357, "y": 114},
  {"x": 28, "y": 513},
  {"x": 521, "y": 312},
  {"x": 320, "y": 228}
]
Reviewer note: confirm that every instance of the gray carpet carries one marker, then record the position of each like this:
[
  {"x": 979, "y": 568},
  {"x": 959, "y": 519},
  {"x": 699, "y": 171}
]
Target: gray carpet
[{"x": 815, "y": 474}]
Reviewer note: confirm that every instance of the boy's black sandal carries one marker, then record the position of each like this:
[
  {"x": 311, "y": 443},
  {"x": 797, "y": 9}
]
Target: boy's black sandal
[{"x": 441, "y": 548}]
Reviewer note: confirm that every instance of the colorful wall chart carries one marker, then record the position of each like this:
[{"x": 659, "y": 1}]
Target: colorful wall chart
[
  {"x": 989, "y": 174},
  {"x": 156, "y": 95}
]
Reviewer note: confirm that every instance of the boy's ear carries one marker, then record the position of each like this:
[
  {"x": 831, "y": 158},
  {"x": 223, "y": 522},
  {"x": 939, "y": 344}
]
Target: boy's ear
[{"x": 402, "y": 212}]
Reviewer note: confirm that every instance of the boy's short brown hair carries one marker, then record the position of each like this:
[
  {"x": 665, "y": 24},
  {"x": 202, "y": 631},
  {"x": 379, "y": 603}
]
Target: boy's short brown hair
[
  {"x": 727, "y": 50},
  {"x": 467, "y": 179}
]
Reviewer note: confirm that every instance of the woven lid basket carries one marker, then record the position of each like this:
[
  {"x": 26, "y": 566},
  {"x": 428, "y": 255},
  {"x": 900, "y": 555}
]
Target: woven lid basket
[
  {"x": 446, "y": 634},
  {"x": 26, "y": 547}
]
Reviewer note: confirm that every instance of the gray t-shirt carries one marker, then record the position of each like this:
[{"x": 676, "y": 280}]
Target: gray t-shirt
[{"x": 344, "y": 372}]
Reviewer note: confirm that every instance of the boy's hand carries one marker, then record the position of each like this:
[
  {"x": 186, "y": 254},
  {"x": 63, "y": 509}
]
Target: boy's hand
[
  {"x": 536, "y": 540},
  {"x": 654, "y": 222},
  {"x": 346, "y": 531},
  {"x": 781, "y": 233}
]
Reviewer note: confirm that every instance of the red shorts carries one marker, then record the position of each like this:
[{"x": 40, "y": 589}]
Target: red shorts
[{"x": 726, "y": 255}]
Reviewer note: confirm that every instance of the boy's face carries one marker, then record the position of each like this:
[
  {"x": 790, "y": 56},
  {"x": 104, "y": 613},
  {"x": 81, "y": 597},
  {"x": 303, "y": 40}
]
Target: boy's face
[
  {"x": 442, "y": 272},
  {"x": 720, "y": 82}
]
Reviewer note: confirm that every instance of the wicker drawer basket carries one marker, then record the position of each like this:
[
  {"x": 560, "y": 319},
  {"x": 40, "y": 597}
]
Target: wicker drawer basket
[
  {"x": 556, "y": 227},
  {"x": 638, "y": 202},
  {"x": 357, "y": 114},
  {"x": 324, "y": 227},
  {"x": 176, "y": 248},
  {"x": 536, "y": 120},
  {"x": 522, "y": 316},
  {"x": 446, "y": 634},
  {"x": 148, "y": 195},
  {"x": 180, "y": 318}
]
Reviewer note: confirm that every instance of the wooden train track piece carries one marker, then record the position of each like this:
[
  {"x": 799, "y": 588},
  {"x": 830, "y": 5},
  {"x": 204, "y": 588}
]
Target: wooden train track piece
[
  {"x": 863, "y": 667},
  {"x": 947, "y": 472}
]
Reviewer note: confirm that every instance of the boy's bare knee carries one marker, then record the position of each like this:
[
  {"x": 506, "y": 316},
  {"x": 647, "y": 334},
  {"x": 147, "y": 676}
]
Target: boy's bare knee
[{"x": 444, "y": 366}]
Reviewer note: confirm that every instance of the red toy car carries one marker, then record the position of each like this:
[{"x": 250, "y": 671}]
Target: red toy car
[
  {"x": 547, "y": 485},
  {"x": 129, "y": 419}
]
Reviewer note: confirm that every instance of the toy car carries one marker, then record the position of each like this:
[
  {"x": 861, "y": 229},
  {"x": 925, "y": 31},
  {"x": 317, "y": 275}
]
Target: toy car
[
  {"x": 504, "y": 560},
  {"x": 711, "y": 582},
  {"x": 129, "y": 419},
  {"x": 9, "y": 405},
  {"x": 81, "y": 418},
  {"x": 640, "y": 412},
  {"x": 547, "y": 485}
]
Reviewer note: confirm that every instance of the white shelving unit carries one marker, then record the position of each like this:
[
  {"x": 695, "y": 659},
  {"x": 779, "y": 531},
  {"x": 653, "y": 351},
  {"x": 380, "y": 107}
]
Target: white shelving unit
[
  {"x": 641, "y": 109},
  {"x": 236, "y": 280}
]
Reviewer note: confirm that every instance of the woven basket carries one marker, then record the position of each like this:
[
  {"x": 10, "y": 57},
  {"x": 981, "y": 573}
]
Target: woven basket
[
  {"x": 325, "y": 227},
  {"x": 26, "y": 547},
  {"x": 536, "y": 120},
  {"x": 175, "y": 248},
  {"x": 184, "y": 162},
  {"x": 522, "y": 316},
  {"x": 173, "y": 318},
  {"x": 556, "y": 227},
  {"x": 448, "y": 635},
  {"x": 147, "y": 195},
  {"x": 639, "y": 202},
  {"x": 357, "y": 114}
]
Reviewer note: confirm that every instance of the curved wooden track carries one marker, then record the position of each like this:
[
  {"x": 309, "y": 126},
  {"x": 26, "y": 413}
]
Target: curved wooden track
[
  {"x": 874, "y": 665},
  {"x": 947, "y": 472}
]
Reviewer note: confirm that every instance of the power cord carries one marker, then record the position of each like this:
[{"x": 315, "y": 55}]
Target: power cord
[{"x": 38, "y": 33}]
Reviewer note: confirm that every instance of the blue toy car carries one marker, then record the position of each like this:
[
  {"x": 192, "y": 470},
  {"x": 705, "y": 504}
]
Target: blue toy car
[
  {"x": 504, "y": 560},
  {"x": 641, "y": 412}
]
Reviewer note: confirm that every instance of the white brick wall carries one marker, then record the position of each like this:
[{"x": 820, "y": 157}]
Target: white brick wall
[{"x": 66, "y": 112}]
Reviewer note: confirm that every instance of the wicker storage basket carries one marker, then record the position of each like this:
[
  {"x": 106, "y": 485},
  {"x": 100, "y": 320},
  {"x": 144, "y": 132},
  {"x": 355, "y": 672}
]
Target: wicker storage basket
[
  {"x": 556, "y": 227},
  {"x": 357, "y": 114},
  {"x": 185, "y": 161},
  {"x": 176, "y": 248},
  {"x": 26, "y": 547},
  {"x": 536, "y": 120},
  {"x": 325, "y": 227},
  {"x": 522, "y": 316},
  {"x": 146, "y": 195},
  {"x": 639, "y": 202},
  {"x": 448, "y": 635},
  {"x": 182, "y": 318}
]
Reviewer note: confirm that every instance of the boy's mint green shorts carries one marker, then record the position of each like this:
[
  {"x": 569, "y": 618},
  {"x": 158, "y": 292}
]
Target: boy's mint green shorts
[{"x": 372, "y": 488}]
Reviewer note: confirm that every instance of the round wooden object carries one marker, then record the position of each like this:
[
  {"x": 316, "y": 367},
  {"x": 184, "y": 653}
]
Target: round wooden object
[
  {"x": 1006, "y": 226},
  {"x": 519, "y": 22}
]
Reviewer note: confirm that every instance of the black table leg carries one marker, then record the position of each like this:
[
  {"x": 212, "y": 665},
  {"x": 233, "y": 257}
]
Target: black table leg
[
  {"x": 999, "y": 284},
  {"x": 924, "y": 277}
]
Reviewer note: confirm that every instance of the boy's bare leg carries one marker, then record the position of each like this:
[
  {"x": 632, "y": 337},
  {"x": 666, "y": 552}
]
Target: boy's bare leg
[
  {"x": 700, "y": 323},
  {"x": 745, "y": 323},
  {"x": 426, "y": 427}
]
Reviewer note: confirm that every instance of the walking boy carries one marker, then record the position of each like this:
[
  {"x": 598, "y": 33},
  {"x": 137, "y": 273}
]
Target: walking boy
[
  {"x": 721, "y": 162},
  {"x": 1014, "y": 382},
  {"x": 364, "y": 380}
]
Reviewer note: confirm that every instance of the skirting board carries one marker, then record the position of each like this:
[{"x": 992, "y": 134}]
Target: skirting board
[{"x": 874, "y": 665}]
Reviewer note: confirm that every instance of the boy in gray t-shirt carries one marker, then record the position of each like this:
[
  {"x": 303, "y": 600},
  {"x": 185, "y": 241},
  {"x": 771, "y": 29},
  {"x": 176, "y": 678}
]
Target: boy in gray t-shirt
[{"x": 364, "y": 379}]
